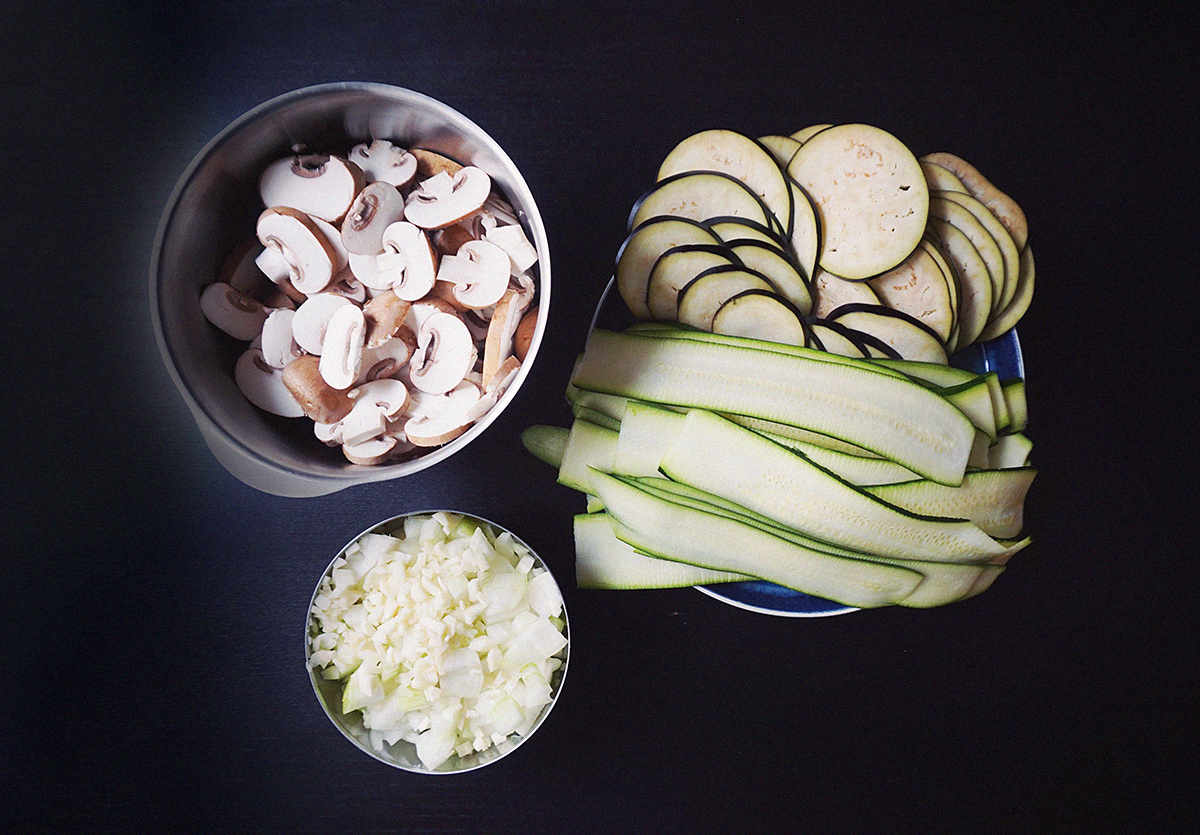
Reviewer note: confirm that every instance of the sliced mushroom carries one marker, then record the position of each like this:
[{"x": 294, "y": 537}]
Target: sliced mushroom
[
  {"x": 264, "y": 386},
  {"x": 232, "y": 311},
  {"x": 375, "y": 208},
  {"x": 279, "y": 346},
  {"x": 345, "y": 284},
  {"x": 437, "y": 419},
  {"x": 444, "y": 199},
  {"x": 240, "y": 271},
  {"x": 389, "y": 358},
  {"x": 513, "y": 241},
  {"x": 329, "y": 434},
  {"x": 448, "y": 240},
  {"x": 375, "y": 405},
  {"x": 499, "y": 345},
  {"x": 408, "y": 263},
  {"x": 310, "y": 257},
  {"x": 501, "y": 380},
  {"x": 385, "y": 314},
  {"x": 523, "y": 337},
  {"x": 372, "y": 452},
  {"x": 445, "y": 353},
  {"x": 312, "y": 319},
  {"x": 273, "y": 265},
  {"x": 319, "y": 400},
  {"x": 384, "y": 162},
  {"x": 479, "y": 273},
  {"x": 342, "y": 346},
  {"x": 334, "y": 236},
  {"x": 316, "y": 184}
]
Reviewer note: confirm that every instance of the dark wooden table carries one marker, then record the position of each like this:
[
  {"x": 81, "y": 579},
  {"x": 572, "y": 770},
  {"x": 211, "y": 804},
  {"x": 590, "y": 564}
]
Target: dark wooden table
[{"x": 154, "y": 606}]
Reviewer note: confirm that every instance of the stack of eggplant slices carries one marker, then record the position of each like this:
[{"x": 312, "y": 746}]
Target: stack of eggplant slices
[{"x": 785, "y": 406}]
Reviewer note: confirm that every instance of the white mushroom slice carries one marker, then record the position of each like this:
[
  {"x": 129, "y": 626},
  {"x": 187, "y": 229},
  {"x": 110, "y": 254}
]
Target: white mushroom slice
[
  {"x": 422, "y": 309},
  {"x": 263, "y": 385},
  {"x": 371, "y": 452},
  {"x": 319, "y": 400},
  {"x": 312, "y": 318},
  {"x": 501, "y": 380},
  {"x": 445, "y": 353},
  {"x": 366, "y": 268},
  {"x": 384, "y": 162},
  {"x": 342, "y": 347},
  {"x": 374, "y": 209},
  {"x": 512, "y": 239},
  {"x": 436, "y": 419},
  {"x": 273, "y": 265},
  {"x": 444, "y": 199},
  {"x": 316, "y": 184},
  {"x": 279, "y": 346},
  {"x": 479, "y": 273},
  {"x": 503, "y": 327},
  {"x": 389, "y": 358},
  {"x": 375, "y": 404},
  {"x": 329, "y": 434},
  {"x": 409, "y": 262},
  {"x": 334, "y": 236},
  {"x": 346, "y": 285},
  {"x": 232, "y": 311},
  {"x": 311, "y": 258}
]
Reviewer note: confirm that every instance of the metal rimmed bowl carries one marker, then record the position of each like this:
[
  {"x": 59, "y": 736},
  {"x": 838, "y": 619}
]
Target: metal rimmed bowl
[
  {"x": 214, "y": 208},
  {"x": 403, "y": 754}
]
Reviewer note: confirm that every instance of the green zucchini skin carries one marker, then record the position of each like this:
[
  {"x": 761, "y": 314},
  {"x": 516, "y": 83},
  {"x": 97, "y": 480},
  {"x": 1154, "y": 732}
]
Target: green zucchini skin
[
  {"x": 897, "y": 418},
  {"x": 654, "y": 524}
]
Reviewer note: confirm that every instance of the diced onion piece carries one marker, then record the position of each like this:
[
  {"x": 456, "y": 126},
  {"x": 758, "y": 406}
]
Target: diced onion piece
[{"x": 445, "y": 635}]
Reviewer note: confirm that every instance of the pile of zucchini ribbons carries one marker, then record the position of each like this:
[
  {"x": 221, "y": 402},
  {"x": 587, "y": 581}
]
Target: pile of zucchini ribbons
[{"x": 708, "y": 458}]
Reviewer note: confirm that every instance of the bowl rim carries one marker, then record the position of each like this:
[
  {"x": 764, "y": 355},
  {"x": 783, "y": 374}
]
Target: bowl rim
[
  {"x": 243, "y": 460},
  {"x": 517, "y": 742}
]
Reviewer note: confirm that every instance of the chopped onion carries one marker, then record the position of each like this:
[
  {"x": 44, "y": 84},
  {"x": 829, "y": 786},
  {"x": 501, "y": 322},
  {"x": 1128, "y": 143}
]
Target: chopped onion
[{"x": 445, "y": 635}]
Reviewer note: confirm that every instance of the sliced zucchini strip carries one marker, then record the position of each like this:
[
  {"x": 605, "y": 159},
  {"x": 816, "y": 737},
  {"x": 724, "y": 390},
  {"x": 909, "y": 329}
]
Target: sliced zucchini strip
[{"x": 891, "y": 416}]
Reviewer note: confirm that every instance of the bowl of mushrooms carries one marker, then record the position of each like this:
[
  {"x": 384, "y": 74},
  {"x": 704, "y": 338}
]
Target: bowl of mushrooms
[{"x": 349, "y": 284}]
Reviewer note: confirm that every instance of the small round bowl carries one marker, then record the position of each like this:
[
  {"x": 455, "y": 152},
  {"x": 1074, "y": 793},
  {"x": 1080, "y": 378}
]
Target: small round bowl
[
  {"x": 214, "y": 208},
  {"x": 403, "y": 755}
]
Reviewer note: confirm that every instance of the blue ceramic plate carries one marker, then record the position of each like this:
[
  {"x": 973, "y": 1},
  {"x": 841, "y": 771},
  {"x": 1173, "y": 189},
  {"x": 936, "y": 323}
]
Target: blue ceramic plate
[{"x": 1002, "y": 355}]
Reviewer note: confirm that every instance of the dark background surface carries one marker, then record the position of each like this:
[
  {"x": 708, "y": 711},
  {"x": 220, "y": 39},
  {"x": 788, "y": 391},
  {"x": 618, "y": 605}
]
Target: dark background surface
[{"x": 153, "y": 605}]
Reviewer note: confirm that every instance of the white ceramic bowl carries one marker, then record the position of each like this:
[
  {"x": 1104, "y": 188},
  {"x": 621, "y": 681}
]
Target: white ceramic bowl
[
  {"x": 214, "y": 207},
  {"x": 403, "y": 755}
]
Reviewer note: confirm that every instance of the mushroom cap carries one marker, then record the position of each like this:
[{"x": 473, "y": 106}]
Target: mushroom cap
[
  {"x": 374, "y": 208},
  {"x": 479, "y": 272},
  {"x": 312, "y": 319},
  {"x": 385, "y": 315},
  {"x": 316, "y": 184},
  {"x": 319, "y": 400},
  {"x": 445, "y": 354},
  {"x": 232, "y": 311},
  {"x": 444, "y": 199},
  {"x": 382, "y": 161},
  {"x": 408, "y": 261},
  {"x": 435, "y": 419},
  {"x": 311, "y": 258},
  {"x": 264, "y": 386},
  {"x": 523, "y": 338},
  {"x": 499, "y": 343}
]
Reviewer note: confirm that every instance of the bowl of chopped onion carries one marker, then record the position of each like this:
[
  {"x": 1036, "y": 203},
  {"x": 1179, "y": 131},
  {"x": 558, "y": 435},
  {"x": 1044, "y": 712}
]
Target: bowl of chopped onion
[{"x": 437, "y": 642}]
